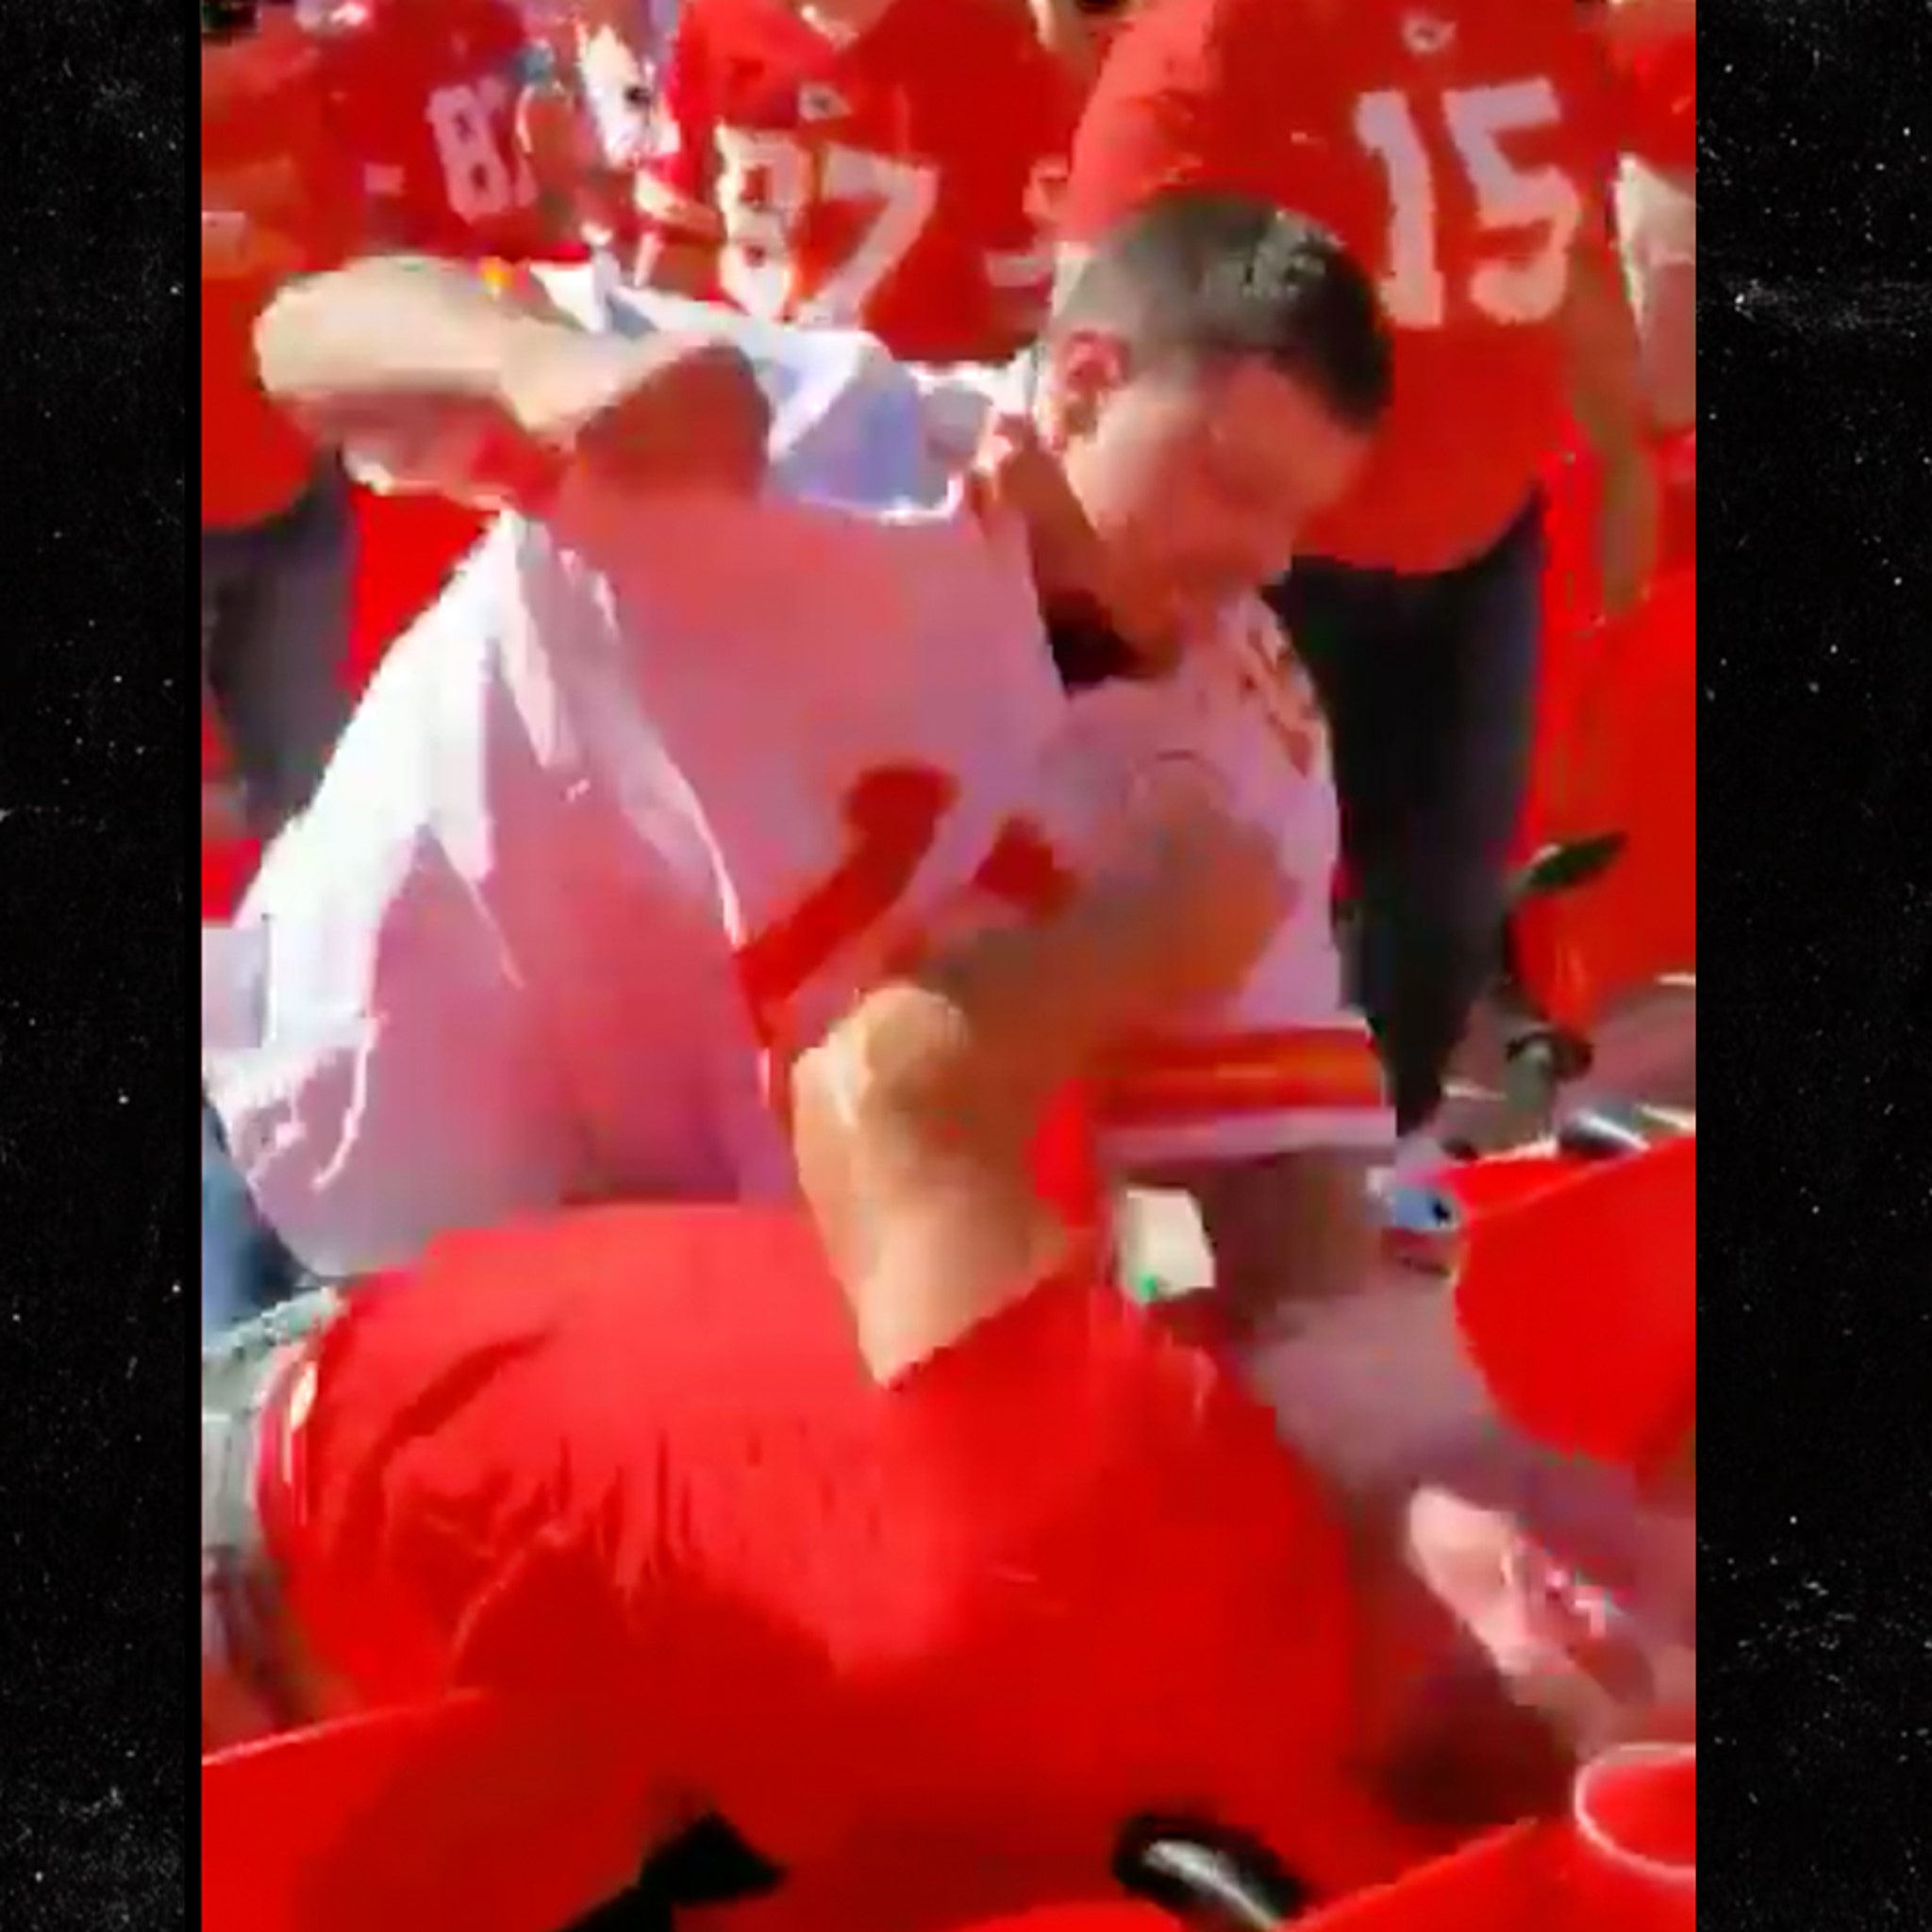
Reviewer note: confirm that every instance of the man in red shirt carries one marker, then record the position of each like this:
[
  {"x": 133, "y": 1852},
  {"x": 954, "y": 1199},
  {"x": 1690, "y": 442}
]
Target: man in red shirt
[
  {"x": 275, "y": 530},
  {"x": 903, "y": 1519},
  {"x": 877, "y": 164},
  {"x": 431, "y": 100},
  {"x": 325, "y": 132},
  {"x": 1462, "y": 150},
  {"x": 897, "y": 1538},
  {"x": 1656, "y": 199}
]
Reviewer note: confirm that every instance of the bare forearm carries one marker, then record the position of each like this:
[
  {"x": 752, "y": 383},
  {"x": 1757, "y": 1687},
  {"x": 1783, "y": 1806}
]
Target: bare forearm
[
  {"x": 1604, "y": 359},
  {"x": 914, "y": 1117},
  {"x": 417, "y": 367},
  {"x": 955, "y": 1063},
  {"x": 1286, "y": 1230},
  {"x": 394, "y": 324}
]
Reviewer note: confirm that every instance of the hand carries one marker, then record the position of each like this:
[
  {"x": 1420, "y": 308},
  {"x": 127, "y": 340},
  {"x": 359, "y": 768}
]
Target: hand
[
  {"x": 626, "y": 414},
  {"x": 1629, "y": 526},
  {"x": 637, "y": 413},
  {"x": 1596, "y": 1675},
  {"x": 1014, "y": 474}
]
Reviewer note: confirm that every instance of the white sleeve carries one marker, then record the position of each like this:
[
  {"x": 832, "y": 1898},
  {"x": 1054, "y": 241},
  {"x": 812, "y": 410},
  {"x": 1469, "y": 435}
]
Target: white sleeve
[
  {"x": 849, "y": 421},
  {"x": 1283, "y": 1064},
  {"x": 373, "y": 1057}
]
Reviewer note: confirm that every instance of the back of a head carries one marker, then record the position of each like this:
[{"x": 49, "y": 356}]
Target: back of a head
[{"x": 1208, "y": 276}]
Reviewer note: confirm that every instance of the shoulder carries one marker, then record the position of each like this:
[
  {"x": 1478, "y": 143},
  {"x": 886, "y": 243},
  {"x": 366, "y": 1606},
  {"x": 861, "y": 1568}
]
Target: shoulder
[{"x": 1262, "y": 651}]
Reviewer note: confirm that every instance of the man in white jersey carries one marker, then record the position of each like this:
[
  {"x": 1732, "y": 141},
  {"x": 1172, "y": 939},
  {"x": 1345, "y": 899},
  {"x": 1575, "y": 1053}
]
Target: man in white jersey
[
  {"x": 484, "y": 977},
  {"x": 1266, "y": 1109}
]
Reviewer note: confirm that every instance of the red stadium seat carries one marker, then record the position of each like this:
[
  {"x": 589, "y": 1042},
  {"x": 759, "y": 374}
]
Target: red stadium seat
[
  {"x": 1578, "y": 1302},
  {"x": 454, "y": 1815},
  {"x": 1489, "y": 1187},
  {"x": 1616, "y": 752},
  {"x": 1518, "y": 1880},
  {"x": 1503, "y": 1883}
]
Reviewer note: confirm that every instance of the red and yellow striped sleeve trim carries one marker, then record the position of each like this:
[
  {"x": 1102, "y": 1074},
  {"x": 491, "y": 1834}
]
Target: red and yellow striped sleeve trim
[{"x": 1290, "y": 1070}]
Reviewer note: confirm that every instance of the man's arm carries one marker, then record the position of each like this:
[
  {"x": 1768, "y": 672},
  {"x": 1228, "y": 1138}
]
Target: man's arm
[
  {"x": 1286, "y": 1230},
  {"x": 421, "y": 369},
  {"x": 914, "y": 1117},
  {"x": 1606, "y": 391}
]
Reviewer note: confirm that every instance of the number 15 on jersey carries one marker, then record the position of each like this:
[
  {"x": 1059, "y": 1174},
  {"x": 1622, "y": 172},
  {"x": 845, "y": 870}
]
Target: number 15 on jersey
[{"x": 1528, "y": 217}]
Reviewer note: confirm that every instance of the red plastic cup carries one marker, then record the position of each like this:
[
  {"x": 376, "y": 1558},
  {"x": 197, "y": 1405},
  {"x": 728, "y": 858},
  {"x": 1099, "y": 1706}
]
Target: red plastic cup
[{"x": 1634, "y": 1818}]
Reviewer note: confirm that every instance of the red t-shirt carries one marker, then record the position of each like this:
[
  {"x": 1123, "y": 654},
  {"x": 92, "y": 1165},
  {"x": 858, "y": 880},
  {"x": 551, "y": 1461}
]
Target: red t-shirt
[
  {"x": 423, "y": 94},
  {"x": 628, "y": 1461},
  {"x": 1657, "y": 104},
  {"x": 896, "y": 181},
  {"x": 1459, "y": 151},
  {"x": 275, "y": 201}
]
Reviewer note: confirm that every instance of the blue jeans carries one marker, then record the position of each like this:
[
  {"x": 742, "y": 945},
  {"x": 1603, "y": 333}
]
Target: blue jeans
[
  {"x": 245, "y": 1267},
  {"x": 1430, "y": 683}
]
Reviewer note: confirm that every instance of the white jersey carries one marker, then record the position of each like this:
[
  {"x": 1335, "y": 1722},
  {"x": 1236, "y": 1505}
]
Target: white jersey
[
  {"x": 491, "y": 968},
  {"x": 1282, "y": 1063},
  {"x": 650, "y": 793}
]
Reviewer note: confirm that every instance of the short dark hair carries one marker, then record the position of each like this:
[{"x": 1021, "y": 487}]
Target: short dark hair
[
  {"x": 1229, "y": 275},
  {"x": 231, "y": 20}
]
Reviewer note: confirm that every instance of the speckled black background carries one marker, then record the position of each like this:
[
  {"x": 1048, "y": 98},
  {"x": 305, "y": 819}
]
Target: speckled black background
[{"x": 1816, "y": 975}]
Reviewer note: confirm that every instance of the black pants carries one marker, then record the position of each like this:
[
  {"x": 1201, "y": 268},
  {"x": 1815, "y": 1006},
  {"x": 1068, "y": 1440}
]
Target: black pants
[
  {"x": 274, "y": 634},
  {"x": 1430, "y": 683}
]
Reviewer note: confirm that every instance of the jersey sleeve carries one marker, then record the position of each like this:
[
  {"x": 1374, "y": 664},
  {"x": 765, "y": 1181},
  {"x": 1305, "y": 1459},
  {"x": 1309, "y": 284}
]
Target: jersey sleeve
[
  {"x": 373, "y": 1063},
  {"x": 674, "y": 187},
  {"x": 1283, "y": 1064}
]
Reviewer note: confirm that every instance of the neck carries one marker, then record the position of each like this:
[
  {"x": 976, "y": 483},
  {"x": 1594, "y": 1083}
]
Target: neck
[{"x": 1099, "y": 613}]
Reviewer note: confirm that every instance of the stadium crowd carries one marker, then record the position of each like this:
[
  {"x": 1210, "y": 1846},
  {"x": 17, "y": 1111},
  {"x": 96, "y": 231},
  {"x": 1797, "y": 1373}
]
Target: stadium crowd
[{"x": 931, "y": 479}]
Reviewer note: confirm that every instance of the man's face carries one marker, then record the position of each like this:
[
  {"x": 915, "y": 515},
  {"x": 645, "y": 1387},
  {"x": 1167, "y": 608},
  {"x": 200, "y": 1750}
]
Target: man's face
[{"x": 1198, "y": 478}]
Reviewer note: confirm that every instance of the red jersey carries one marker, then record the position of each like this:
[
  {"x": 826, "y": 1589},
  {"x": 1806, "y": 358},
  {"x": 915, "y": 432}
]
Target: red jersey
[
  {"x": 895, "y": 181},
  {"x": 1459, "y": 150},
  {"x": 1659, "y": 105},
  {"x": 275, "y": 201},
  {"x": 627, "y": 1464},
  {"x": 424, "y": 95}
]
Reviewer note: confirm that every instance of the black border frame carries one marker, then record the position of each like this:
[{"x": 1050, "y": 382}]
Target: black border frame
[
  {"x": 96, "y": 1052},
  {"x": 1816, "y": 881}
]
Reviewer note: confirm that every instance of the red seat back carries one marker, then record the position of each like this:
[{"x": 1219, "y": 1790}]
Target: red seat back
[
  {"x": 460, "y": 1813},
  {"x": 1580, "y": 1305}
]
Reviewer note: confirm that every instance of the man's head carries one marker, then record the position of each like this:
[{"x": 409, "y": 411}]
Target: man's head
[{"x": 1214, "y": 375}]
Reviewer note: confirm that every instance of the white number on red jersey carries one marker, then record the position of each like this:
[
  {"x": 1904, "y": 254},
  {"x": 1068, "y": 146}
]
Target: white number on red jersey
[
  {"x": 1528, "y": 283},
  {"x": 485, "y": 172},
  {"x": 767, "y": 184}
]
